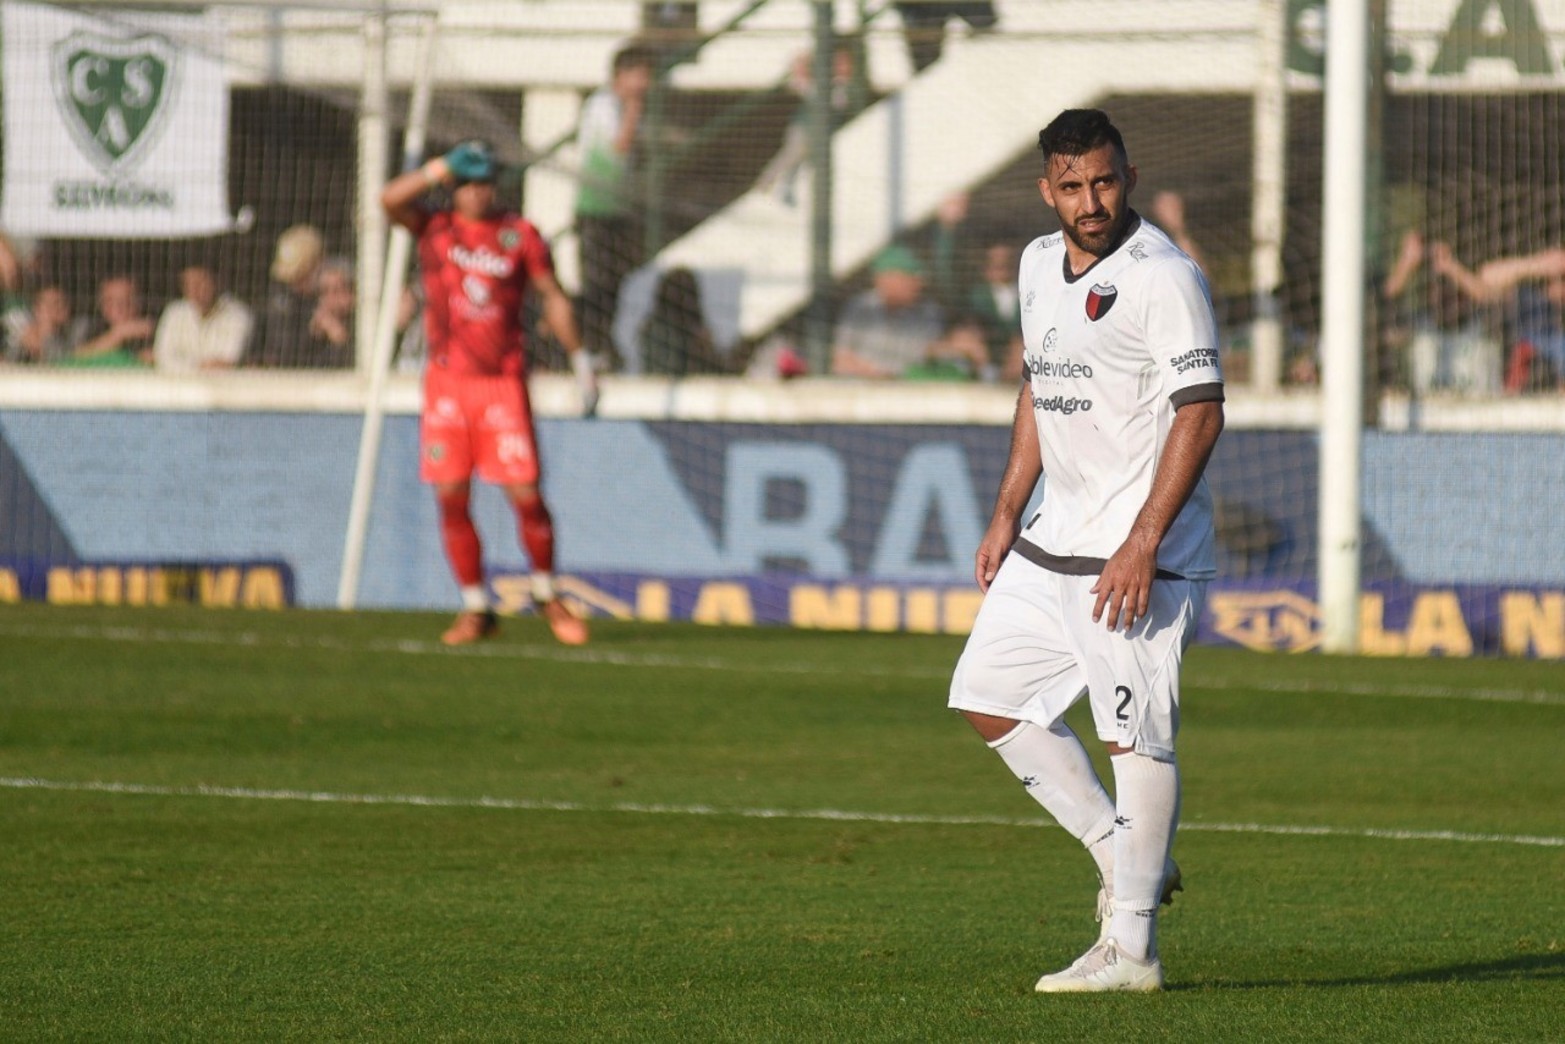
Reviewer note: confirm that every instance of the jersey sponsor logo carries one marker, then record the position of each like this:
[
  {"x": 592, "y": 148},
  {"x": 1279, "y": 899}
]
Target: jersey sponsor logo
[
  {"x": 1195, "y": 358},
  {"x": 1065, "y": 405},
  {"x": 481, "y": 260},
  {"x": 1066, "y": 369},
  {"x": 1138, "y": 250},
  {"x": 1027, "y": 304},
  {"x": 1100, "y": 299},
  {"x": 1051, "y": 340},
  {"x": 476, "y": 289}
]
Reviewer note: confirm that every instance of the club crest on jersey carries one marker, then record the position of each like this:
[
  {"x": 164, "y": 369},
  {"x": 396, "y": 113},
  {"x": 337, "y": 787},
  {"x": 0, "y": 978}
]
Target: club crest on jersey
[
  {"x": 509, "y": 237},
  {"x": 1099, "y": 300}
]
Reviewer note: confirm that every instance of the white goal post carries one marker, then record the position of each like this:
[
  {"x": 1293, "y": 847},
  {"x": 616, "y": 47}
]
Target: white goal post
[{"x": 393, "y": 278}]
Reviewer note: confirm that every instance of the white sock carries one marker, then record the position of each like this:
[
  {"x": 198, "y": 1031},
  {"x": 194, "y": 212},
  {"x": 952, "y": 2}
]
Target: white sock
[
  {"x": 1101, "y": 849},
  {"x": 543, "y": 587},
  {"x": 1147, "y": 804},
  {"x": 1054, "y": 767},
  {"x": 475, "y": 599}
]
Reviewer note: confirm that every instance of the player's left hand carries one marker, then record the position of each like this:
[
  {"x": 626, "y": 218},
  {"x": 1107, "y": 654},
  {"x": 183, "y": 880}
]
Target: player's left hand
[
  {"x": 1124, "y": 588},
  {"x": 992, "y": 550},
  {"x": 586, "y": 371}
]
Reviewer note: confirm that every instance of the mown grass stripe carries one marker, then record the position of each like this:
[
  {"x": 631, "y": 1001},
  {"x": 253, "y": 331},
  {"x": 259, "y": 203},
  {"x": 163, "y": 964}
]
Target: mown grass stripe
[{"x": 641, "y": 660}]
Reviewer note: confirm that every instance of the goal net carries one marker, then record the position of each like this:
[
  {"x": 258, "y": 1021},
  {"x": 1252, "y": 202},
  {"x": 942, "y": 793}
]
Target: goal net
[{"x": 780, "y": 160}]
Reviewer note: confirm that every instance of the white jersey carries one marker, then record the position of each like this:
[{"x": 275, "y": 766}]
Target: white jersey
[{"x": 1109, "y": 355}]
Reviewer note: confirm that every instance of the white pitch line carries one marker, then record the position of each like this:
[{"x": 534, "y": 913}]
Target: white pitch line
[
  {"x": 323, "y": 797},
  {"x": 613, "y": 658}
]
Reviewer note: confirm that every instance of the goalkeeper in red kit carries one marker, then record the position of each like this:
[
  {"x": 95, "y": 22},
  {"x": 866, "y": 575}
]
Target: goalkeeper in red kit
[{"x": 477, "y": 263}]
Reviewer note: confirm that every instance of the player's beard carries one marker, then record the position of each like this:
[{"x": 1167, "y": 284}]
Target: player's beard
[{"x": 1099, "y": 241}]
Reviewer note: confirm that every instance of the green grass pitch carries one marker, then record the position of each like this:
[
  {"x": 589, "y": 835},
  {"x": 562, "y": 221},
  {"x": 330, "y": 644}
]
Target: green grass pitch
[{"x": 231, "y": 826}]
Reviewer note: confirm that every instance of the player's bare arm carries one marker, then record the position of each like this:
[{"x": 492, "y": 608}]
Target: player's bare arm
[
  {"x": 1023, "y": 467},
  {"x": 400, "y": 196},
  {"x": 557, "y": 310},
  {"x": 561, "y": 316},
  {"x": 1125, "y": 586}
]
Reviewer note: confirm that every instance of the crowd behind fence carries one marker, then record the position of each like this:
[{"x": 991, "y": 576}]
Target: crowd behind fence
[{"x": 1466, "y": 232}]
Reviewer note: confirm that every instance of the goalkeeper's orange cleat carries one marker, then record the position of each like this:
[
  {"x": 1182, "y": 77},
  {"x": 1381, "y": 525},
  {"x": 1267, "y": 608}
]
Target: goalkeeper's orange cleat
[
  {"x": 470, "y": 627},
  {"x": 569, "y": 628}
]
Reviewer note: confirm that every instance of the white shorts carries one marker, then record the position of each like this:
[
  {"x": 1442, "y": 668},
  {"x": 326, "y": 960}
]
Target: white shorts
[{"x": 1034, "y": 651}]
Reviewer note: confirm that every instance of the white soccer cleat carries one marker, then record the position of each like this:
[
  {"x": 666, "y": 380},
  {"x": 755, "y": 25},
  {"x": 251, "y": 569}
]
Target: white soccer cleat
[
  {"x": 1173, "y": 882},
  {"x": 1104, "y": 969}
]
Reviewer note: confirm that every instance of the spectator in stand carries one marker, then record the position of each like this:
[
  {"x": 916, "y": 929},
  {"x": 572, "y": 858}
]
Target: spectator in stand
[
  {"x": 285, "y": 321},
  {"x": 1168, "y": 213},
  {"x": 412, "y": 337},
  {"x": 670, "y": 28},
  {"x": 49, "y": 332},
  {"x": 975, "y": 279},
  {"x": 1534, "y": 286},
  {"x": 330, "y": 341},
  {"x": 960, "y": 354},
  {"x": 13, "y": 300},
  {"x": 121, "y": 335},
  {"x": 607, "y": 231},
  {"x": 924, "y": 25},
  {"x": 675, "y": 340},
  {"x": 782, "y": 171},
  {"x": 891, "y": 327},
  {"x": 996, "y": 307},
  {"x": 1452, "y": 339},
  {"x": 10, "y": 265},
  {"x": 205, "y": 329}
]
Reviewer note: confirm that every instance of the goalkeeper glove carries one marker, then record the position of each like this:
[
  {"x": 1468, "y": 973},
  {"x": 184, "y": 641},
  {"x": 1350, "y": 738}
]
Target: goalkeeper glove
[{"x": 586, "y": 381}]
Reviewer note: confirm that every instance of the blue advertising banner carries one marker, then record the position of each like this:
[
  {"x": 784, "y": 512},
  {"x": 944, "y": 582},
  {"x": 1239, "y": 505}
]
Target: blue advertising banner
[{"x": 811, "y": 525}]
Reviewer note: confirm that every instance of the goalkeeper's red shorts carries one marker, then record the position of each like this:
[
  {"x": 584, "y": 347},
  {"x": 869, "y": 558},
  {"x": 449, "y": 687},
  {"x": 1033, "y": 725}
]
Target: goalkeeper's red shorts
[{"x": 476, "y": 423}]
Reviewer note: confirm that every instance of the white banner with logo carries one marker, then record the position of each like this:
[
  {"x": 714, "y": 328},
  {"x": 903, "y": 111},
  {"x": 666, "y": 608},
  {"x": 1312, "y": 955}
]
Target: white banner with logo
[{"x": 115, "y": 126}]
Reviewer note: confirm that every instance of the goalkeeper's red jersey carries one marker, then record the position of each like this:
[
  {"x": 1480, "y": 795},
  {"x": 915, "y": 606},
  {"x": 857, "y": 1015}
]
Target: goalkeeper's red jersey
[{"x": 475, "y": 278}]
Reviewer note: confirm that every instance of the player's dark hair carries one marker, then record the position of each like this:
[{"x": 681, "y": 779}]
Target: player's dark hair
[{"x": 1076, "y": 132}]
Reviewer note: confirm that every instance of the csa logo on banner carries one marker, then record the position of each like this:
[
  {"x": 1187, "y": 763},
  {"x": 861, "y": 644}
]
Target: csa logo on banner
[
  {"x": 1099, "y": 300},
  {"x": 115, "y": 127},
  {"x": 114, "y": 94}
]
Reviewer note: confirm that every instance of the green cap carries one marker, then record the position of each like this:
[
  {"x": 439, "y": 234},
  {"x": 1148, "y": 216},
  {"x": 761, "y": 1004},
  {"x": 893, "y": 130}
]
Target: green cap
[{"x": 897, "y": 259}]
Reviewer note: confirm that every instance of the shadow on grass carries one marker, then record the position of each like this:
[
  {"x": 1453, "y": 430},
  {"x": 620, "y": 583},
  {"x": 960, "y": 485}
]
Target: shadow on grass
[{"x": 1545, "y": 966}]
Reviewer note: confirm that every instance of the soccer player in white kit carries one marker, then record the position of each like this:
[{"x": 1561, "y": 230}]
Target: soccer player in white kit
[{"x": 1099, "y": 592}]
